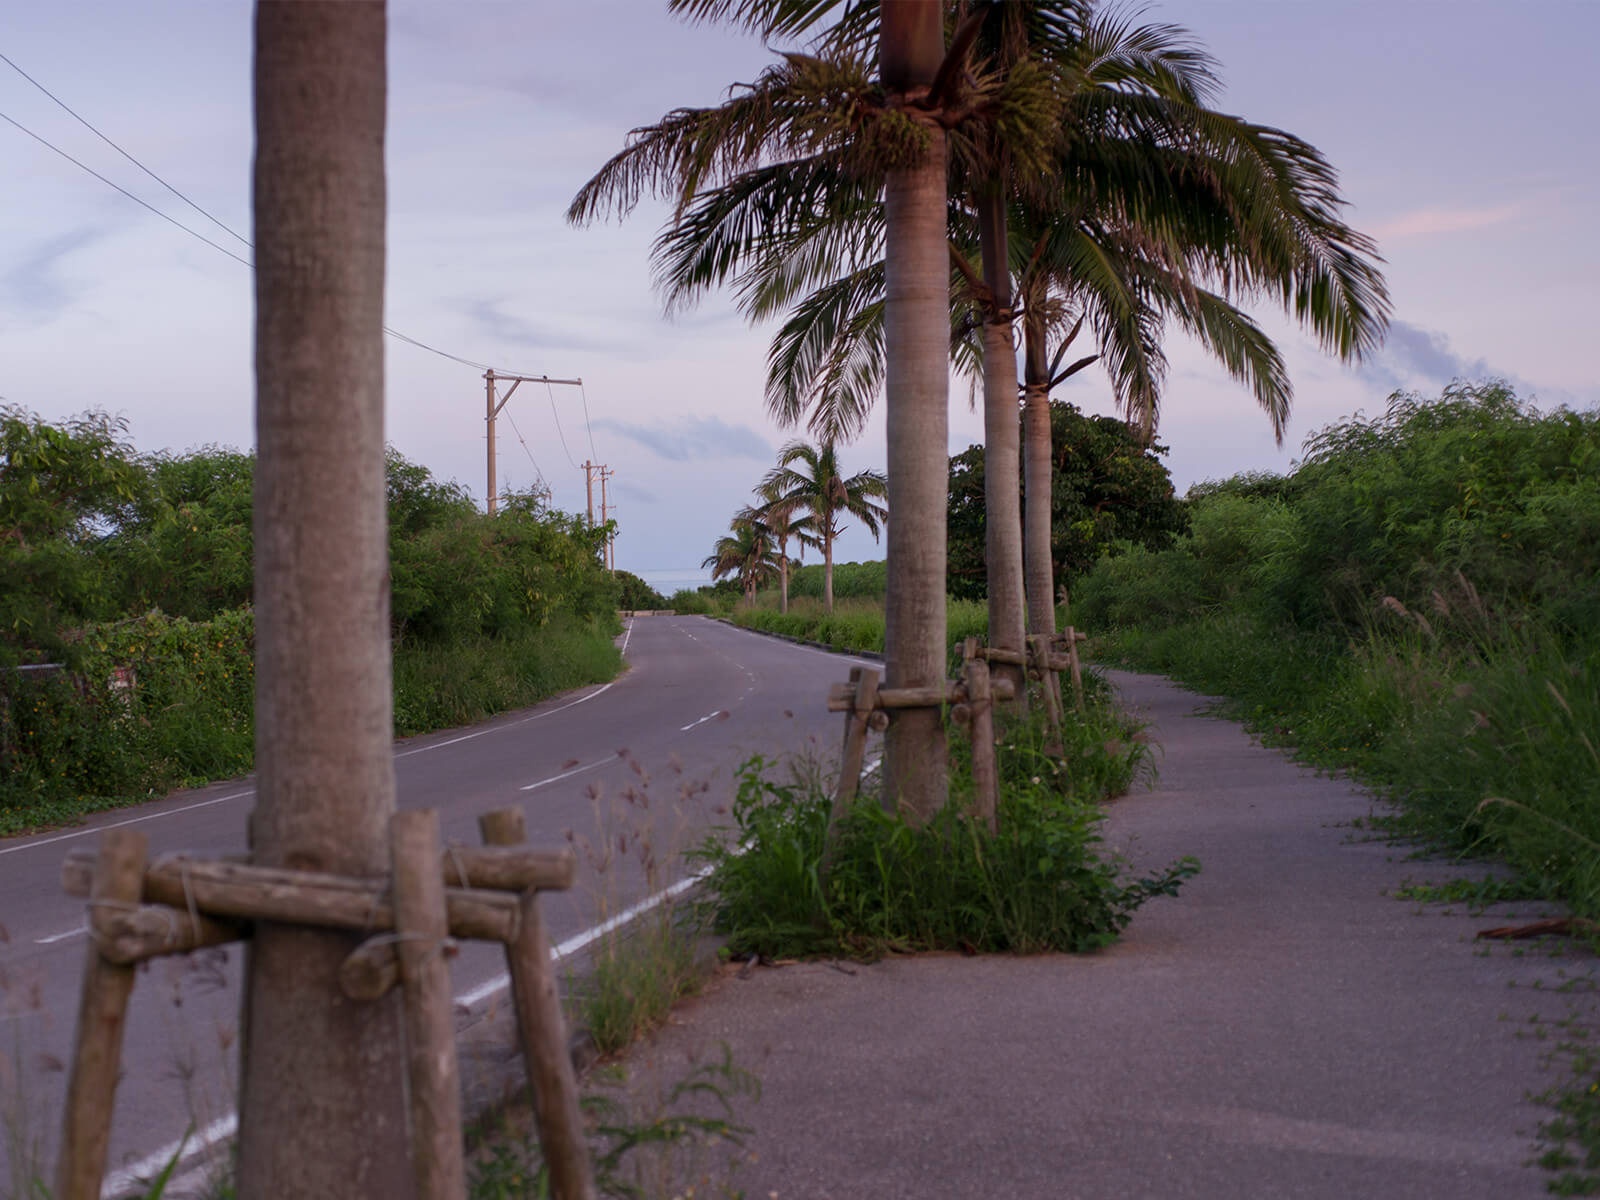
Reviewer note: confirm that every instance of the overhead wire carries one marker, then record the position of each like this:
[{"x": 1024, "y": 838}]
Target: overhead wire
[
  {"x": 85, "y": 123},
  {"x": 582, "y": 391},
  {"x": 391, "y": 331},
  {"x": 557, "y": 415},
  {"x": 545, "y": 483},
  {"x": 143, "y": 203}
]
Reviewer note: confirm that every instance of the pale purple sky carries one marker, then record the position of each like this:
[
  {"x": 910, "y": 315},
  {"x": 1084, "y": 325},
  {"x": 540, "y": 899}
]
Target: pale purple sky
[{"x": 1463, "y": 131}]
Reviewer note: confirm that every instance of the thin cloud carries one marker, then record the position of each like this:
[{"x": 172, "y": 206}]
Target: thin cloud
[
  {"x": 35, "y": 287},
  {"x": 1425, "y": 222},
  {"x": 691, "y": 438},
  {"x": 500, "y": 327},
  {"x": 1416, "y": 357}
]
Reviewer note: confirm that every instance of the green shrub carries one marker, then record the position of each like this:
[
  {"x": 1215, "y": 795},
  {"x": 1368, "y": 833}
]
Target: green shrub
[
  {"x": 690, "y": 603},
  {"x": 634, "y": 593},
  {"x": 782, "y": 886},
  {"x": 181, "y": 711}
]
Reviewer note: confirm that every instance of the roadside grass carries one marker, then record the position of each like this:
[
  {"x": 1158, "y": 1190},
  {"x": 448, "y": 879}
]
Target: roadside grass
[
  {"x": 652, "y": 1138},
  {"x": 636, "y": 976},
  {"x": 469, "y": 679},
  {"x": 1487, "y": 751},
  {"x": 639, "y": 969},
  {"x": 189, "y": 718},
  {"x": 855, "y": 625}
]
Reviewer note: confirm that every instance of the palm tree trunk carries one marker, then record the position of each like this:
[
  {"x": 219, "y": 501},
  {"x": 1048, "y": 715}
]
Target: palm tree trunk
[
  {"x": 827, "y": 568},
  {"x": 1037, "y": 477},
  {"x": 916, "y": 336},
  {"x": 321, "y": 1098},
  {"x": 1002, "y": 431},
  {"x": 783, "y": 575}
]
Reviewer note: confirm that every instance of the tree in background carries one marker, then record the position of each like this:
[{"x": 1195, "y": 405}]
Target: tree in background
[
  {"x": 747, "y": 553},
  {"x": 64, "y": 489},
  {"x": 807, "y": 486},
  {"x": 785, "y": 523},
  {"x": 635, "y": 594},
  {"x": 1107, "y": 487}
]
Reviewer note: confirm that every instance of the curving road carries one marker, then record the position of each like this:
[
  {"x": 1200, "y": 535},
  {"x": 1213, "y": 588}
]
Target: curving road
[{"x": 698, "y": 698}]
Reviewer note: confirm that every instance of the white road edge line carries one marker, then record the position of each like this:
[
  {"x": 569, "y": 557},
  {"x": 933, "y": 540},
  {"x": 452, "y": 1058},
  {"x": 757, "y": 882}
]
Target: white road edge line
[
  {"x": 528, "y": 787},
  {"x": 171, "y": 812},
  {"x": 701, "y": 721},
  {"x": 225, "y": 1127},
  {"x": 60, "y": 937}
]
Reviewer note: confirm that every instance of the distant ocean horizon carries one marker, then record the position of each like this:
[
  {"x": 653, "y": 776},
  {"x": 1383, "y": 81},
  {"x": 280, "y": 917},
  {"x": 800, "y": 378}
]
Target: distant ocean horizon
[{"x": 667, "y": 580}]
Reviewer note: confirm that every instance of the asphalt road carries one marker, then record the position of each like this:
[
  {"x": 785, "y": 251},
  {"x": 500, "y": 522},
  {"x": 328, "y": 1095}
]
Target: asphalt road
[
  {"x": 698, "y": 698},
  {"x": 1285, "y": 1027}
]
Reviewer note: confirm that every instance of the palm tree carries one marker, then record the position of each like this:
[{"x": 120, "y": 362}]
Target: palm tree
[
  {"x": 785, "y": 523},
  {"x": 807, "y": 483},
  {"x": 746, "y": 552},
  {"x": 323, "y": 1115},
  {"x": 1151, "y": 197}
]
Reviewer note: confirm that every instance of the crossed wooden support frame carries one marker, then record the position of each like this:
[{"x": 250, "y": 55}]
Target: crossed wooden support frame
[
  {"x": 141, "y": 909},
  {"x": 971, "y": 702}
]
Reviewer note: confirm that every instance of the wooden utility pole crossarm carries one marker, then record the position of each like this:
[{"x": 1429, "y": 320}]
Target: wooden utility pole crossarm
[{"x": 493, "y": 403}]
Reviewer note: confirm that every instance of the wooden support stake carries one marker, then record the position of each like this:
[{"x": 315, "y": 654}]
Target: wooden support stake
[
  {"x": 102, "y": 1016},
  {"x": 862, "y": 703},
  {"x": 1076, "y": 667},
  {"x": 151, "y": 930},
  {"x": 1039, "y": 651},
  {"x": 372, "y": 969},
  {"x": 539, "y": 1024},
  {"x": 510, "y": 868},
  {"x": 421, "y": 930},
  {"x": 985, "y": 776}
]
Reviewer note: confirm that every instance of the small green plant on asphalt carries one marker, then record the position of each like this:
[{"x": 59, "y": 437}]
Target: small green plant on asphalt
[
  {"x": 1569, "y": 1140},
  {"x": 1478, "y": 893},
  {"x": 685, "y": 1140}
]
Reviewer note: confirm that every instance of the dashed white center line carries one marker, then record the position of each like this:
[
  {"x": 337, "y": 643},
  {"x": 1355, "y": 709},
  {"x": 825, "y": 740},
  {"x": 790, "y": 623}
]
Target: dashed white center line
[{"x": 701, "y": 721}]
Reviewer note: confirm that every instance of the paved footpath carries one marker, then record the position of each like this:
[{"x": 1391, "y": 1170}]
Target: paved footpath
[{"x": 1281, "y": 1029}]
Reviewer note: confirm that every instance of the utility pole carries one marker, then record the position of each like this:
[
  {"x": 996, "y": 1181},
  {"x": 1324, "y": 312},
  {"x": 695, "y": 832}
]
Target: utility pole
[
  {"x": 589, "y": 469},
  {"x": 494, "y": 405},
  {"x": 605, "y": 515}
]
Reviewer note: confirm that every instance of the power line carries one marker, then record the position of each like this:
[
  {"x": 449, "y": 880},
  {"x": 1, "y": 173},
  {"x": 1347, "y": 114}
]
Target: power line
[
  {"x": 557, "y": 415},
  {"x": 592, "y": 451},
  {"x": 392, "y": 332},
  {"x": 126, "y": 192},
  {"x": 84, "y": 122},
  {"x": 537, "y": 472}
]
